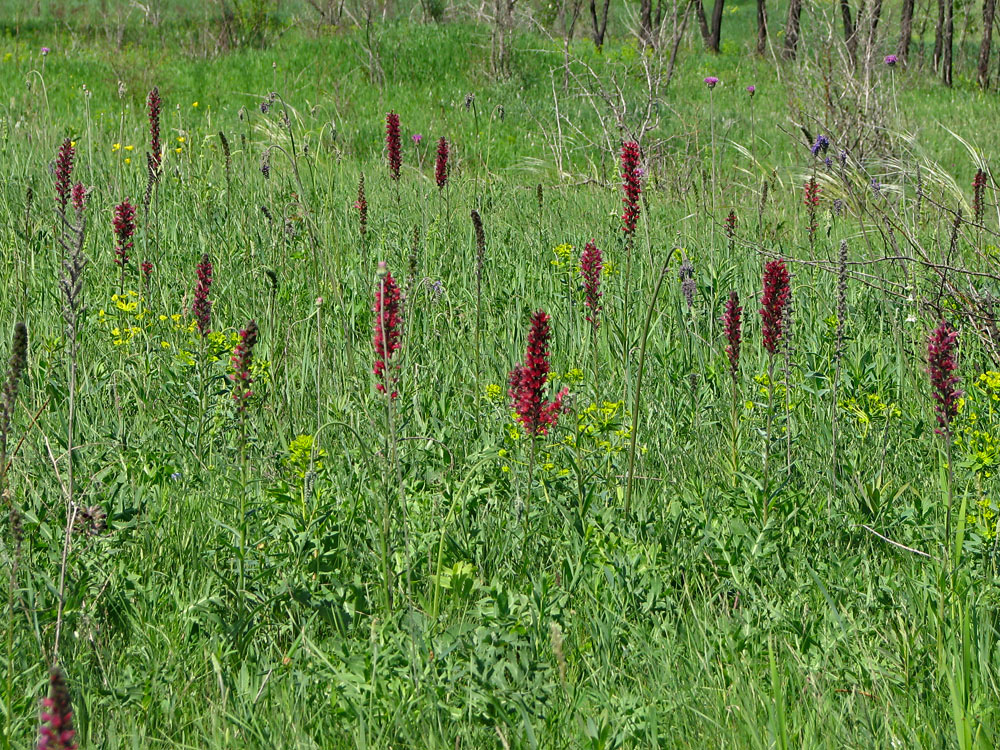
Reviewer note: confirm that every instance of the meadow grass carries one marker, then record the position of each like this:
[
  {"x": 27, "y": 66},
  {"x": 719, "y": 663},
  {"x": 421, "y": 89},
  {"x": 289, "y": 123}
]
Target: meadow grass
[{"x": 331, "y": 568}]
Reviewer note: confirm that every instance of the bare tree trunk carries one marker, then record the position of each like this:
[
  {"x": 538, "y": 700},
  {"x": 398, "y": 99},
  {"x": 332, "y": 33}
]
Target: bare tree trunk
[
  {"x": 939, "y": 35},
  {"x": 949, "y": 33},
  {"x": 850, "y": 33},
  {"x": 699, "y": 10},
  {"x": 792, "y": 29},
  {"x": 905, "y": 30},
  {"x": 873, "y": 19},
  {"x": 761, "y": 27},
  {"x": 600, "y": 26},
  {"x": 716, "y": 38},
  {"x": 989, "y": 10},
  {"x": 646, "y": 22}
]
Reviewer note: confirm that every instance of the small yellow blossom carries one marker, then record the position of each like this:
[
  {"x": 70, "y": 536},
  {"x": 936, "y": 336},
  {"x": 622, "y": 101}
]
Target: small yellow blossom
[
  {"x": 194, "y": 104},
  {"x": 128, "y": 160},
  {"x": 116, "y": 146},
  {"x": 181, "y": 139},
  {"x": 129, "y": 148},
  {"x": 178, "y": 150}
]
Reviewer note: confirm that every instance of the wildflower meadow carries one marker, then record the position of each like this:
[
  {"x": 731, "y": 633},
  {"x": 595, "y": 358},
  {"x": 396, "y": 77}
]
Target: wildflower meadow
[{"x": 508, "y": 374}]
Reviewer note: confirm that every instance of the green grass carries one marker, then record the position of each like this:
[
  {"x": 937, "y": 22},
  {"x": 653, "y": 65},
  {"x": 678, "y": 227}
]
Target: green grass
[{"x": 237, "y": 597}]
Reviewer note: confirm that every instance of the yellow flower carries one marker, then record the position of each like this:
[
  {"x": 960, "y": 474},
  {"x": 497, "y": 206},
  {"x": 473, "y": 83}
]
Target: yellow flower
[
  {"x": 128, "y": 160},
  {"x": 178, "y": 150},
  {"x": 73, "y": 144},
  {"x": 129, "y": 148},
  {"x": 116, "y": 146},
  {"x": 194, "y": 104},
  {"x": 181, "y": 139},
  {"x": 165, "y": 344},
  {"x": 493, "y": 392}
]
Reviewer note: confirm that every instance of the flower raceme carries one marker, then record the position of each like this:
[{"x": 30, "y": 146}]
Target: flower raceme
[
  {"x": 56, "y": 732},
  {"x": 441, "y": 165},
  {"x": 242, "y": 360},
  {"x": 155, "y": 149},
  {"x": 978, "y": 190},
  {"x": 388, "y": 327},
  {"x": 124, "y": 226},
  {"x": 362, "y": 206},
  {"x": 527, "y": 381},
  {"x": 202, "y": 307},
  {"x": 775, "y": 296},
  {"x": 733, "y": 326},
  {"x": 393, "y": 145},
  {"x": 591, "y": 265},
  {"x": 631, "y": 186},
  {"x": 64, "y": 172},
  {"x": 941, "y": 368}
]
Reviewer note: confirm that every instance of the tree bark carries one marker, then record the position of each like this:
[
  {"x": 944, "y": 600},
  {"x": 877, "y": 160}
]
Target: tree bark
[
  {"x": 716, "y": 38},
  {"x": 905, "y": 30},
  {"x": 850, "y": 33},
  {"x": 873, "y": 18},
  {"x": 949, "y": 33},
  {"x": 792, "y": 29},
  {"x": 989, "y": 10},
  {"x": 646, "y": 22},
  {"x": 699, "y": 10},
  {"x": 939, "y": 36},
  {"x": 600, "y": 26},
  {"x": 761, "y": 27}
]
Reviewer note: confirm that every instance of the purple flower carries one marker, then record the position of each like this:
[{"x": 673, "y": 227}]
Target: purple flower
[
  {"x": 45, "y": 51},
  {"x": 710, "y": 81},
  {"x": 417, "y": 137},
  {"x": 891, "y": 60},
  {"x": 820, "y": 146},
  {"x": 751, "y": 89}
]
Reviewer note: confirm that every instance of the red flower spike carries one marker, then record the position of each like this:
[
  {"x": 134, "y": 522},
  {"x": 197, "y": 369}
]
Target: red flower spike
[{"x": 527, "y": 381}]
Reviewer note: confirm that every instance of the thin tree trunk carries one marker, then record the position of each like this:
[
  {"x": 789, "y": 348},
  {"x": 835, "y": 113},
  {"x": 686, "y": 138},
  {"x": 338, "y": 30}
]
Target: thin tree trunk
[
  {"x": 716, "y": 38},
  {"x": 905, "y": 30},
  {"x": 939, "y": 35},
  {"x": 600, "y": 26},
  {"x": 646, "y": 22},
  {"x": 873, "y": 19},
  {"x": 989, "y": 10},
  {"x": 949, "y": 32},
  {"x": 699, "y": 10},
  {"x": 792, "y": 29},
  {"x": 850, "y": 34},
  {"x": 761, "y": 26}
]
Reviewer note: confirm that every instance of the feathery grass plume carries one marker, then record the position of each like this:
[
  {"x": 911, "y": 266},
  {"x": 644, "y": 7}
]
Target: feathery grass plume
[
  {"x": 631, "y": 186},
  {"x": 685, "y": 274},
  {"x": 15, "y": 369},
  {"x": 477, "y": 226},
  {"x": 387, "y": 329},
  {"x": 591, "y": 265},
  {"x": 229, "y": 161},
  {"x": 201, "y": 308},
  {"x": 154, "y": 105},
  {"x": 732, "y": 324},
  {"x": 441, "y": 164},
  {"x": 56, "y": 730},
  {"x": 242, "y": 360},
  {"x": 361, "y": 204},
  {"x": 775, "y": 296},
  {"x": 527, "y": 381},
  {"x": 123, "y": 223},
  {"x": 978, "y": 190},
  {"x": 64, "y": 174},
  {"x": 392, "y": 145}
]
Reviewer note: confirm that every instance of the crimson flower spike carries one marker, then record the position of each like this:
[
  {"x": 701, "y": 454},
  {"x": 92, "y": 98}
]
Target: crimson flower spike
[
  {"x": 775, "y": 296},
  {"x": 527, "y": 381},
  {"x": 441, "y": 165},
  {"x": 392, "y": 144},
  {"x": 591, "y": 265},
  {"x": 64, "y": 173},
  {"x": 56, "y": 731},
  {"x": 242, "y": 360},
  {"x": 202, "y": 307},
  {"x": 941, "y": 368},
  {"x": 155, "y": 149},
  {"x": 124, "y": 226},
  {"x": 388, "y": 328},
  {"x": 733, "y": 325},
  {"x": 631, "y": 186}
]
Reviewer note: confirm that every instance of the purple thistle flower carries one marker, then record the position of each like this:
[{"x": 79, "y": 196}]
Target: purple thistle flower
[
  {"x": 891, "y": 60},
  {"x": 711, "y": 81},
  {"x": 417, "y": 137},
  {"x": 45, "y": 51},
  {"x": 751, "y": 89}
]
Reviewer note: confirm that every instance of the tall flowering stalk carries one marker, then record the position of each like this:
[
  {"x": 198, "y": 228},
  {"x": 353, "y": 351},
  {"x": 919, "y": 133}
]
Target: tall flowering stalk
[
  {"x": 775, "y": 295},
  {"x": 154, "y": 105},
  {"x": 477, "y": 227},
  {"x": 591, "y": 265},
  {"x": 202, "y": 306},
  {"x": 242, "y": 360},
  {"x": 64, "y": 175},
  {"x": 838, "y": 351},
  {"x": 441, "y": 164},
  {"x": 732, "y": 324},
  {"x": 978, "y": 194},
  {"x": 393, "y": 145},
  {"x": 388, "y": 329},
  {"x": 941, "y": 366},
  {"x": 631, "y": 187},
  {"x": 730, "y": 229},
  {"x": 56, "y": 731},
  {"x": 123, "y": 223},
  {"x": 811, "y": 201},
  {"x": 527, "y": 386}
]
